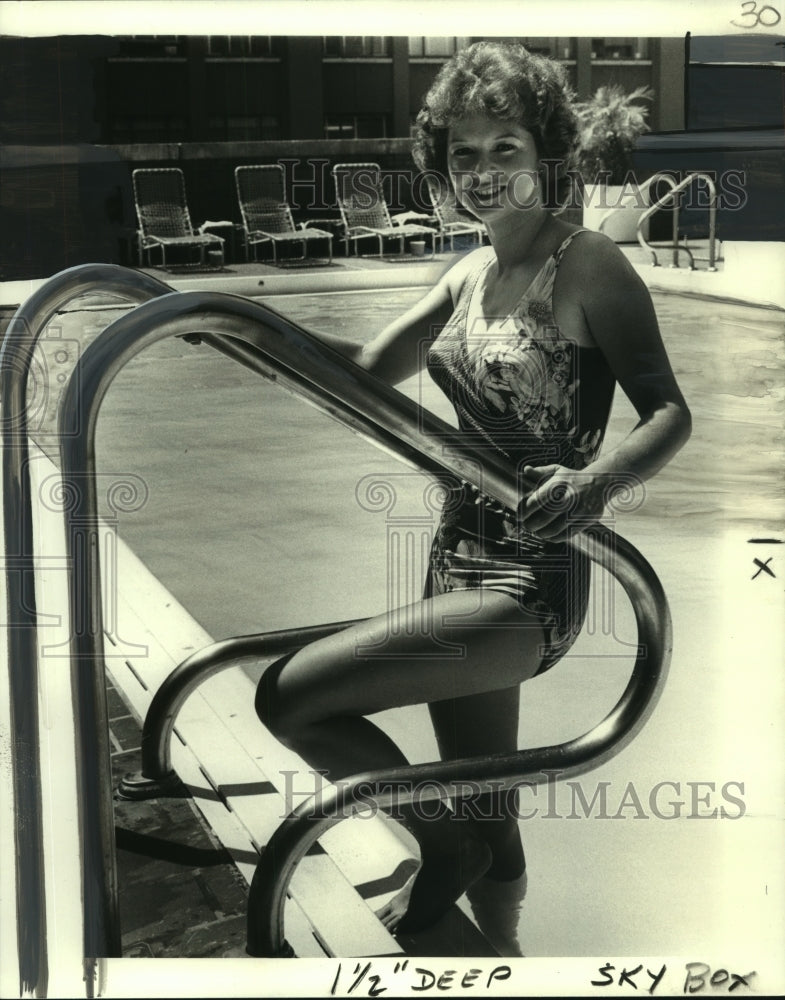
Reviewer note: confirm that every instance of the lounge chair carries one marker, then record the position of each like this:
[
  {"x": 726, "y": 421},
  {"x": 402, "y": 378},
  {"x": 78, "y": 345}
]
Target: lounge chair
[
  {"x": 164, "y": 219},
  {"x": 266, "y": 215},
  {"x": 449, "y": 220},
  {"x": 364, "y": 210}
]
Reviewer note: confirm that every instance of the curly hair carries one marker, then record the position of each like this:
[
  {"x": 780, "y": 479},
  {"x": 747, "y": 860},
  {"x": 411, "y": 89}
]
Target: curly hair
[{"x": 506, "y": 81}]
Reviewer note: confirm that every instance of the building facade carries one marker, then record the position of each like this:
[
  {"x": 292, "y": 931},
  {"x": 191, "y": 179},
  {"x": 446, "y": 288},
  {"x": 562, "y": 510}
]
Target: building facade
[{"x": 79, "y": 113}]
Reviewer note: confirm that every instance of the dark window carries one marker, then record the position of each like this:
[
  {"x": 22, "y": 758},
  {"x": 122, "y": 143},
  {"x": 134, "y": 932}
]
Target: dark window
[
  {"x": 737, "y": 49},
  {"x": 438, "y": 47},
  {"x": 148, "y": 128},
  {"x": 357, "y": 46},
  {"x": 147, "y": 100},
  {"x": 151, "y": 46},
  {"x": 736, "y": 82},
  {"x": 721, "y": 97},
  {"x": 619, "y": 48},
  {"x": 245, "y": 46}
]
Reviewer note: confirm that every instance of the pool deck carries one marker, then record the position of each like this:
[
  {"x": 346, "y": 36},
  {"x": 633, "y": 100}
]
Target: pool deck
[{"x": 752, "y": 273}]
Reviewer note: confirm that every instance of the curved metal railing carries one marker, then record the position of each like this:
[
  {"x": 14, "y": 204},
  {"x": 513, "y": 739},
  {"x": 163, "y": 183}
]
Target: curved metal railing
[
  {"x": 279, "y": 349},
  {"x": 675, "y": 189},
  {"x": 16, "y": 361},
  {"x": 157, "y": 776}
]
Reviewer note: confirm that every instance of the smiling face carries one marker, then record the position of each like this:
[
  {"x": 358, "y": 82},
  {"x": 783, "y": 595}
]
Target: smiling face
[{"x": 493, "y": 165}]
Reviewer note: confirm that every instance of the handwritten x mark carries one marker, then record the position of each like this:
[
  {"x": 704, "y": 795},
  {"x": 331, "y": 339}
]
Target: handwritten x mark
[{"x": 764, "y": 567}]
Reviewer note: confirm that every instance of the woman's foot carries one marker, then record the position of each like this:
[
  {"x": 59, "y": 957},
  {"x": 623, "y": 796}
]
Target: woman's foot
[{"x": 441, "y": 879}]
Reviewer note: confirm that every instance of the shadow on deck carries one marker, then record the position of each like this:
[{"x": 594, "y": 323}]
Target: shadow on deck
[{"x": 180, "y": 895}]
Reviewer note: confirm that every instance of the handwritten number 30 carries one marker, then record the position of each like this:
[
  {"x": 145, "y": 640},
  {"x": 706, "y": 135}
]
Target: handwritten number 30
[{"x": 753, "y": 11}]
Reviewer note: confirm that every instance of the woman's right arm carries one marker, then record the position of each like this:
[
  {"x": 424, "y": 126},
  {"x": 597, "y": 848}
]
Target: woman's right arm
[{"x": 399, "y": 350}]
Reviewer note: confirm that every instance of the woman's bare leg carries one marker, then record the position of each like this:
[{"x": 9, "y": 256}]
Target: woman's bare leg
[
  {"x": 452, "y": 646},
  {"x": 481, "y": 724},
  {"x": 468, "y": 727}
]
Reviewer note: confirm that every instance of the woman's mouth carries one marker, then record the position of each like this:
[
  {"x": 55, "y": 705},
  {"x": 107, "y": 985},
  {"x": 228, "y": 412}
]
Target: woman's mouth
[{"x": 487, "y": 197}]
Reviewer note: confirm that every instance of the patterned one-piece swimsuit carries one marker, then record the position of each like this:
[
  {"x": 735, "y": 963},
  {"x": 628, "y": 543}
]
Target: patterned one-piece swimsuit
[{"x": 538, "y": 398}]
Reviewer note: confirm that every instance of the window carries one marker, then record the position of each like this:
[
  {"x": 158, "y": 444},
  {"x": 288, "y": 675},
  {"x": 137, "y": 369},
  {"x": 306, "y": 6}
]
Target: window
[
  {"x": 736, "y": 82},
  {"x": 151, "y": 46},
  {"x": 556, "y": 48},
  {"x": 436, "y": 47},
  {"x": 162, "y": 128},
  {"x": 738, "y": 49},
  {"x": 357, "y": 46},
  {"x": 619, "y": 48},
  {"x": 541, "y": 46},
  {"x": 244, "y": 46}
]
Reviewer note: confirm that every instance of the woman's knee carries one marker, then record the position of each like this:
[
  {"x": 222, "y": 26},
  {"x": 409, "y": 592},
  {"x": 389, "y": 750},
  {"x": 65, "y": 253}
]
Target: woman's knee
[{"x": 301, "y": 689}]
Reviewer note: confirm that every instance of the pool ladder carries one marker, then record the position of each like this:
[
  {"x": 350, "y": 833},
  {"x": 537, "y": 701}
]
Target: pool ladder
[
  {"x": 673, "y": 195},
  {"x": 273, "y": 346}
]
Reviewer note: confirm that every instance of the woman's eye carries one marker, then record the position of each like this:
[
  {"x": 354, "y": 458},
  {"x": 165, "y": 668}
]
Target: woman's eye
[{"x": 462, "y": 151}]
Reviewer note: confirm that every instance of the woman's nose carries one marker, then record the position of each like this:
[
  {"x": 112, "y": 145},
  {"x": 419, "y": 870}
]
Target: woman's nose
[{"x": 484, "y": 166}]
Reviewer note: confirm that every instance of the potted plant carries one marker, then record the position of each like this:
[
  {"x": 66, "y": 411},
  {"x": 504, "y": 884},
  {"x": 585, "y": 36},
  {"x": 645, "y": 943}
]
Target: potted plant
[{"x": 609, "y": 125}]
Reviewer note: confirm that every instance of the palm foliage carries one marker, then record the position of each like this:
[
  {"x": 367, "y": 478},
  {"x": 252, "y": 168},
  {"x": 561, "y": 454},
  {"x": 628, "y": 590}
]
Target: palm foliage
[{"x": 610, "y": 123}]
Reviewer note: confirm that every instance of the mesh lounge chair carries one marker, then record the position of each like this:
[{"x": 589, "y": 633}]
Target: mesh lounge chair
[
  {"x": 364, "y": 211},
  {"x": 449, "y": 220},
  {"x": 164, "y": 219},
  {"x": 267, "y": 217}
]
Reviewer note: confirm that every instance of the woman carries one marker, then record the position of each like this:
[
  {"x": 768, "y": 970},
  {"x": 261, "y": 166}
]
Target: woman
[{"x": 528, "y": 338}]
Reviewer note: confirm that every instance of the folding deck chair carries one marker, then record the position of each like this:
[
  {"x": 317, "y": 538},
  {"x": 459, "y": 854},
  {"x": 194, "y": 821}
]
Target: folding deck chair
[
  {"x": 364, "y": 210},
  {"x": 266, "y": 215},
  {"x": 164, "y": 219},
  {"x": 449, "y": 220}
]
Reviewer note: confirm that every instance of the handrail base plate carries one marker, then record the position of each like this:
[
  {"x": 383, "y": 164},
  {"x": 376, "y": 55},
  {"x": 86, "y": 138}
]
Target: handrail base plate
[{"x": 136, "y": 786}]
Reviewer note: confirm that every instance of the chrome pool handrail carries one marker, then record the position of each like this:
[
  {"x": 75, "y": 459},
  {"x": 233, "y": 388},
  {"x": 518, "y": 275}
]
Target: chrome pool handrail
[
  {"x": 676, "y": 188},
  {"x": 277, "y": 347},
  {"x": 157, "y": 776},
  {"x": 16, "y": 359}
]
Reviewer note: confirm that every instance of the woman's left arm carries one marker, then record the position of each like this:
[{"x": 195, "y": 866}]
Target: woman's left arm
[{"x": 617, "y": 310}]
